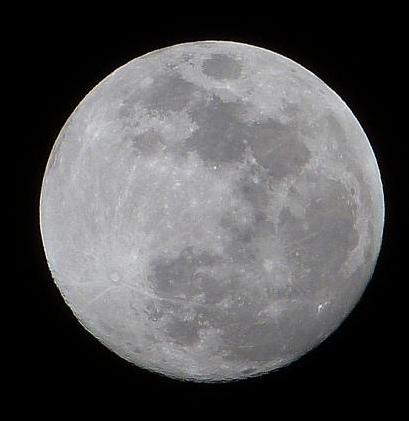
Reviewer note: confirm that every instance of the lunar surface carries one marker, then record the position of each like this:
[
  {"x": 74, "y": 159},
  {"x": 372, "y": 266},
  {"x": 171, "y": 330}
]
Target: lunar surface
[{"x": 211, "y": 211}]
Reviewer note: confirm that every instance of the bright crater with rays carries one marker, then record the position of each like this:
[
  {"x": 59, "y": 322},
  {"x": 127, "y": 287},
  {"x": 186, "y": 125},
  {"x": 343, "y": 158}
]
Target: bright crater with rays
[{"x": 211, "y": 211}]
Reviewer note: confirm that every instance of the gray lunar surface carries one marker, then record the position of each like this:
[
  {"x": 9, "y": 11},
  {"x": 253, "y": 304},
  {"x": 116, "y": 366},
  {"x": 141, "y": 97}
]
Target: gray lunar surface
[{"x": 211, "y": 211}]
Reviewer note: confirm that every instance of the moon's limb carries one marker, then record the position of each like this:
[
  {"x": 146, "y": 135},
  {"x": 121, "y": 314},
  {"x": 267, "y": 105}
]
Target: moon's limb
[{"x": 211, "y": 211}]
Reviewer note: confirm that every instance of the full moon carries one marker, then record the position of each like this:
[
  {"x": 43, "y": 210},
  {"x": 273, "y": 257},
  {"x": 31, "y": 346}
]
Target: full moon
[{"x": 211, "y": 211}]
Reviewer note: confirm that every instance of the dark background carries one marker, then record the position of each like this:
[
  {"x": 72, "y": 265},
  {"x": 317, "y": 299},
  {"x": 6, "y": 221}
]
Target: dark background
[{"x": 57, "y": 61}]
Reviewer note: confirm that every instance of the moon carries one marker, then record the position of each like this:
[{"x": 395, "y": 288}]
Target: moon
[{"x": 211, "y": 211}]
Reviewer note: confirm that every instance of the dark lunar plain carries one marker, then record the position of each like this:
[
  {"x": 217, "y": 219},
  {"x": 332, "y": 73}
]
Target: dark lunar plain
[{"x": 56, "y": 362}]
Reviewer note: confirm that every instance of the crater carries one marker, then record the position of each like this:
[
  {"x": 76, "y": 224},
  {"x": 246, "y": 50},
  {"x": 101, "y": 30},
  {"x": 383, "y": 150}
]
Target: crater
[
  {"x": 277, "y": 148},
  {"x": 154, "y": 311},
  {"x": 291, "y": 110},
  {"x": 188, "y": 275},
  {"x": 259, "y": 341},
  {"x": 248, "y": 335},
  {"x": 169, "y": 92},
  {"x": 223, "y": 135},
  {"x": 221, "y": 67},
  {"x": 250, "y": 234},
  {"x": 255, "y": 192},
  {"x": 319, "y": 243},
  {"x": 183, "y": 332},
  {"x": 147, "y": 143},
  {"x": 335, "y": 130}
]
